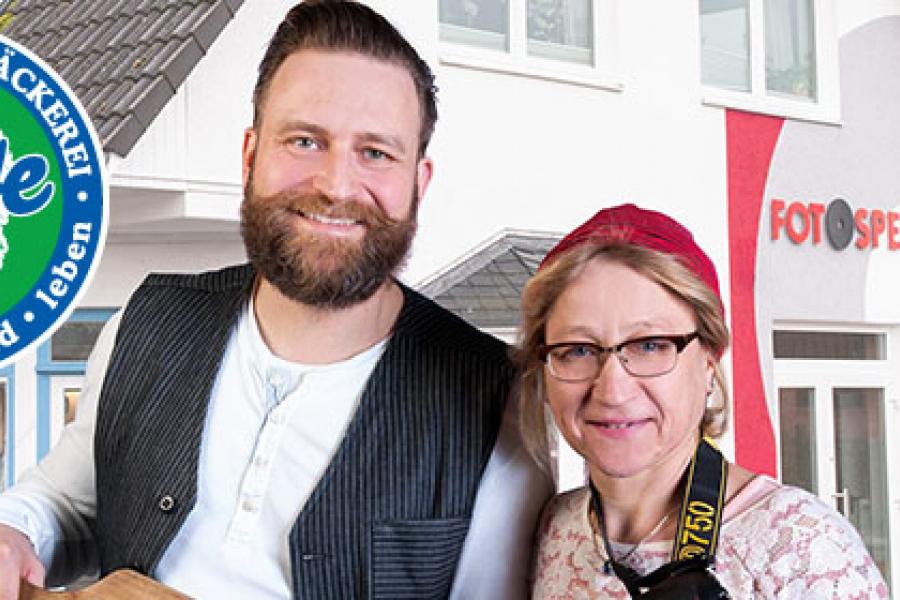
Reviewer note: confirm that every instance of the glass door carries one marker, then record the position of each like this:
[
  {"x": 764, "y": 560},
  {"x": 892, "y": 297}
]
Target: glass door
[
  {"x": 861, "y": 466},
  {"x": 798, "y": 438},
  {"x": 835, "y": 438},
  {"x": 832, "y": 443}
]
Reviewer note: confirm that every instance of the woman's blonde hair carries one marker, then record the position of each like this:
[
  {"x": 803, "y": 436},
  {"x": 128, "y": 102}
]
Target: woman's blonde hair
[{"x": 542, "y": 292}]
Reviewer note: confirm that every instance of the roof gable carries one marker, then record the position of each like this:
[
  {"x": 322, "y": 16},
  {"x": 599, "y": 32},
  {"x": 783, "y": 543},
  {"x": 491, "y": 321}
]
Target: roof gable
[
  {"x": 124, "y": 59},
  {"x": 485, "y": 288}
]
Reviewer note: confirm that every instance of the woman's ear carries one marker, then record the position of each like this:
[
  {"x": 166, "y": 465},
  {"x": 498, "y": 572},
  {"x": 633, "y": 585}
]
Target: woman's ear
[{"x": 711, "y": 372}]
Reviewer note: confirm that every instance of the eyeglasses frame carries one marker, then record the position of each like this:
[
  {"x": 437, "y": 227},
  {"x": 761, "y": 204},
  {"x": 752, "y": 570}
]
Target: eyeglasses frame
[{"x": 680, "y": 342}]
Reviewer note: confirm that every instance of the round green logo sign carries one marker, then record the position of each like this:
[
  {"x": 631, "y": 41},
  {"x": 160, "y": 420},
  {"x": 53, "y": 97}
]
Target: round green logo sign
[{"x": 53, "y": 200}]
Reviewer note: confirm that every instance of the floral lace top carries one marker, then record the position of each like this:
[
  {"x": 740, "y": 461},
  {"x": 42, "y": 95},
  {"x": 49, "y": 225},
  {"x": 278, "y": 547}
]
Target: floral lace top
[{"x": 776, "y": 542}]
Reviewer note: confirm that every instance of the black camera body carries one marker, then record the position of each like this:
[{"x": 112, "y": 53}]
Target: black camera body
[{"x": 683, "y": 580}]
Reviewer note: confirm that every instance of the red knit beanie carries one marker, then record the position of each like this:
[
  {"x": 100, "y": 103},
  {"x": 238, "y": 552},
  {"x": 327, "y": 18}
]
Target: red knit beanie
[{"x": 632, "y": 225}]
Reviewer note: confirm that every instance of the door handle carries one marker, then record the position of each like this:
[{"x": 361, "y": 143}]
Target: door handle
[{"x": 842, "y": 502}]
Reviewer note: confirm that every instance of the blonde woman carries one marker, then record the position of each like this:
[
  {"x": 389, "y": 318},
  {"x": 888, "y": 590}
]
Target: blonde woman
[{"x": 623, "y": 329}]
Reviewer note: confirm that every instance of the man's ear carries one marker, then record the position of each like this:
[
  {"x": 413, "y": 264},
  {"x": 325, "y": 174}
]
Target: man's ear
[
  {"x": 248, "y": 154},
  {"x": 424, "y": 170}
]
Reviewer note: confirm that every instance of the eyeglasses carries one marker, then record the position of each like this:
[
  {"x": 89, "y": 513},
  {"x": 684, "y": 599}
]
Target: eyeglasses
[{"x": 647, "y": 356}]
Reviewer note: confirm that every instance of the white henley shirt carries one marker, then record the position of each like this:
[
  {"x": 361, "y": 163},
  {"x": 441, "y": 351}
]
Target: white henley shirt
[{"x": 271, "y": 430}]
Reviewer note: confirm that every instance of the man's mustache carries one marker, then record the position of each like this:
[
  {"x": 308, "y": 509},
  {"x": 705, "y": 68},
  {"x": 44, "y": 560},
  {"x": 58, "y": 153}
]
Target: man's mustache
[{"x": 315, "y": 204}]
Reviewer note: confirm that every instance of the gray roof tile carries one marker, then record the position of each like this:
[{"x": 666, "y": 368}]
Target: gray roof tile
[
  {"x": 208, "y": 26},
  {"x": 485, "y": 288},
  {"x": 109, "y": 125},
  {"x": 152, "y": 100},
  {"x": 125, "y": 131},
  {"x": 180, "y": 61},
  {"x": 125, "y": 59}
]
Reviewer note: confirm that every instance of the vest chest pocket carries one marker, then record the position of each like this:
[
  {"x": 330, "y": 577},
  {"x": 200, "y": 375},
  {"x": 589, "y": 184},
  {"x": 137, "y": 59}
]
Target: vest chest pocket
[{"x": 415, "y": 559}]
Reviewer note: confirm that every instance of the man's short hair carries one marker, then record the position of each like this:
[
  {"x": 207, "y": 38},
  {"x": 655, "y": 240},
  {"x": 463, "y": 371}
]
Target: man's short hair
[{"x": 345, "y": 25}]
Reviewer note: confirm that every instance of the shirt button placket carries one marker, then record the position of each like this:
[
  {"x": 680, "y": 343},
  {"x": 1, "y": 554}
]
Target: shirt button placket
[{"x": 166, "y": 503}]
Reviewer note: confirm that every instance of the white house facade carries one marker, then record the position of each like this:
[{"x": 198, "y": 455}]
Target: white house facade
[{"x": 771, "y": 128}]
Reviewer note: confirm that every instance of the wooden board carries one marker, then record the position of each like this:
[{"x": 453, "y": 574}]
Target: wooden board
[{"x": 120, "y": 585}]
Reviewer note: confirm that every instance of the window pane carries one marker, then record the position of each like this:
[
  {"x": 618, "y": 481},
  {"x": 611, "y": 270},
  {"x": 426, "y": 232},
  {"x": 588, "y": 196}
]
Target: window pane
[
  {"x": 70, "y": 404},
  {"x": 561, "y": 29},
  {"x": 790, "y": 48},
  {"x": 862, "y": 467},
  {"x": 725, "y": 44},
  {"x": 475, "y": 22},
  {"x": 2, "y": 434},
  {"x": 829, "y": 345},
  {"x": 798, "y": 438},
  {"x": 74, "y": 340}
]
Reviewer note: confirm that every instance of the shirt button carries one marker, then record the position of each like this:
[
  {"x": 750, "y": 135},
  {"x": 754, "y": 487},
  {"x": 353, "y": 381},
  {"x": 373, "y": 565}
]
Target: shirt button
[
  {"x": 275, "y": 380},
  {"x": 166, "y": 503},
  {"x": 248, "y": 506},
  {"x": 260, "y": 461}
]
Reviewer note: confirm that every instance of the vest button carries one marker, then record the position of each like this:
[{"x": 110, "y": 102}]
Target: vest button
[{"x": 166, "y": 503}]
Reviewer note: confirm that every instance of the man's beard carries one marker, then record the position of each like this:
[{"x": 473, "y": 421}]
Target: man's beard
[{"x": 318, "y": 269}]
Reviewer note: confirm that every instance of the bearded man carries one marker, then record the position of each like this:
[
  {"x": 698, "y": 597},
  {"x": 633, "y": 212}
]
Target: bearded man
[{"x": 302, "y": 426}]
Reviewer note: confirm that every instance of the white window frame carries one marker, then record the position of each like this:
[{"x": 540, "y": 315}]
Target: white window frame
[
  {"x": 824, "y": 109},
  {"x": 516, "y": 60}
]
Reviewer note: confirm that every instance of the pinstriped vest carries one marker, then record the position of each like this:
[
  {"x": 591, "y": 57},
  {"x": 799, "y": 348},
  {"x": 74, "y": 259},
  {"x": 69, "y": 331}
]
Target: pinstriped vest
[{"x": 389, "y": 516}]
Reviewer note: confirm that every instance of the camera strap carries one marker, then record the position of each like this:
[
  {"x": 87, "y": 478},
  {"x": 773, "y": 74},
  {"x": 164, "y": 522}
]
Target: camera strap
[{"x": 698, "y": 525}]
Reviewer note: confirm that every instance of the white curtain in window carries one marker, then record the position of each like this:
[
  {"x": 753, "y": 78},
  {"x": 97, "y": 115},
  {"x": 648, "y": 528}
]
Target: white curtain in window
[
  {"x": 566, "y": 22},
  {"x": 561, "y": 29},
  {"x": 790, "y": 47},
  {"x": 486, "y": 15},
  {"x": 475, "y": 22},
  {"x": 725, "y": 44}
]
